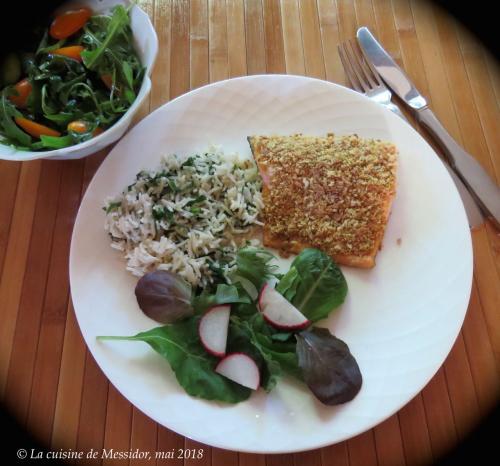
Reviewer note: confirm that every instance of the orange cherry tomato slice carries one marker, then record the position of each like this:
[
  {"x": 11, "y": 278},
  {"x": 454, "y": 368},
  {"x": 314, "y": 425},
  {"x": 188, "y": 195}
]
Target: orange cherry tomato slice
[
  {"x": 23, "y": 89},
  {"x": 73, "y": 51},
  {"x": 78, "y": 126},
  {"x": 35, "y": 129},
  {"x": 107, "y": 79},
  {"x": 66, "y": 24},
  {"x": 97, "y": 131}
]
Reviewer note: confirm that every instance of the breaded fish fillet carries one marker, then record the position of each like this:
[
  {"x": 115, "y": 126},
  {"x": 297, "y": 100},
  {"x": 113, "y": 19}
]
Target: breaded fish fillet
[{"x": 331, "y": 193}]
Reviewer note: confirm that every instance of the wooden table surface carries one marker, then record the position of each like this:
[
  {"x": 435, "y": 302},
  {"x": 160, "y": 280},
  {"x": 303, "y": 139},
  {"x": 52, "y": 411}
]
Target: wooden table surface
[{"x": 48, "y": 379}]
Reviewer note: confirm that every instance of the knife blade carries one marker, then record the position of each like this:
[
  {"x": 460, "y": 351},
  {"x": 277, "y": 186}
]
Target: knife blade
[{"x": 469, "y": 170}]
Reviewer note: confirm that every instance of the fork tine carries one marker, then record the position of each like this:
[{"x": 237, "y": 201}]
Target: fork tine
[
  {"x": 373, "y": 70},
  {"x": 349, "y": 71},
  {"x": 356, "y": 62},
  {"x": 368, "y": 68},
  {"x": 354, "y": 67},
  {"x": 367, "y": 71}
]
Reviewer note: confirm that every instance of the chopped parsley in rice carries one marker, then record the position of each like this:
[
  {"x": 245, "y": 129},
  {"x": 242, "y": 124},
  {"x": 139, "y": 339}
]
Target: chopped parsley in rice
[{"x": 188, "y": 217}]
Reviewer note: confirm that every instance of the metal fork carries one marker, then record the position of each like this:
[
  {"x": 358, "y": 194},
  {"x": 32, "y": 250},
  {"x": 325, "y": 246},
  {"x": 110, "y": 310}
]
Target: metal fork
[{"x": 364, "y": 78}]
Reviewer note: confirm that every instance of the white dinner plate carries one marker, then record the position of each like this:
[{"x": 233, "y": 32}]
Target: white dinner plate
[{"x": 400, "y": 319}]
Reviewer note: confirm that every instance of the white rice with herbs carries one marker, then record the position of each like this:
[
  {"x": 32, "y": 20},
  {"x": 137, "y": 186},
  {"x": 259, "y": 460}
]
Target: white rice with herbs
[{"x": 189, "y": 216}]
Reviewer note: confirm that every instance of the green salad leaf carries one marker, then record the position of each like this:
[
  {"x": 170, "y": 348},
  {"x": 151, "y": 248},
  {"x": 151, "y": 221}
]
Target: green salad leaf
[
  {"x": 8, "y": 128},
  {"x": 93, "y": 92},
  {"x": 115, "y": 26},
  {"x": 254, "y": 264},
  {"x": 314, "y": 284},
  {"x": 193, "y": 366},
  {"x": 224, "y": 294}
]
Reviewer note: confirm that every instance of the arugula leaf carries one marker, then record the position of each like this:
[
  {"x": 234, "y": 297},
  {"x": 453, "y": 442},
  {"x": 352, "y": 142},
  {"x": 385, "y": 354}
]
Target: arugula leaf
[
  {"x": 279, "y": 356},
  {"x": 193, "y": 366},
  {"x": 253, "y": 263},
  {"x": 9, "y": 129},
  {"x": 319, "y": 286},
  {"x": 119, "y": 20}
]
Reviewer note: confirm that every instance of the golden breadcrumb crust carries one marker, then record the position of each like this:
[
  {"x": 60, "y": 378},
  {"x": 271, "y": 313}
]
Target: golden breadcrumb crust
[{"x": 333, "y": 193}]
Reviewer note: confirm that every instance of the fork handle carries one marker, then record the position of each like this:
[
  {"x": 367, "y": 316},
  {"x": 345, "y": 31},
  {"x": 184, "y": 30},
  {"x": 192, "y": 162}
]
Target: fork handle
[{"x": 472, "y": 173}]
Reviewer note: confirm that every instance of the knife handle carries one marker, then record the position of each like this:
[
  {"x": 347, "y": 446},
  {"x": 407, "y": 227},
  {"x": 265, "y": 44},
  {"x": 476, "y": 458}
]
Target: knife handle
[{"x": 473, "y": 174}]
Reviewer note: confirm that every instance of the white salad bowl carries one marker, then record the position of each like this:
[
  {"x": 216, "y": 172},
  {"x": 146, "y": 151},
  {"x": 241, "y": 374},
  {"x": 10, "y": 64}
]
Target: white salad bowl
[{"x": 146, "y": 44}]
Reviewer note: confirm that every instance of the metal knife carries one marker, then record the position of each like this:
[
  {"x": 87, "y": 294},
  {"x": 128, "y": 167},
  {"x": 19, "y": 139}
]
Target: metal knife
[
  {"x": 482, "y": 187},
  {"x": 474, "y": 214}
]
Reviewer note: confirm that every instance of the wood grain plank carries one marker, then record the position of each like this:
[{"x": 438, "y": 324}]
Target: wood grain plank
[
  {"x": 16, "y": 255},
  {"x": 389, "y": 442},
  {"x": 362, "y": 451},
  {"x": 117, "y": 432},
  {"x": 24, "y": 344},
  {"x": 347, "y": 19},
  {"x": 169, "y": 441},
  {"x": 236, "y": 41},
  {"x": 311, "y": 458},
  {"x": 311, "y": 39},
  {"x": 442, "y": 101},
  {"x": 179, "y": 49},
  {"x": 9, "y": 172},
  {"x": 439, "y": 415},
  {"x": 72, "y": 369},
  {"x": 485, "y": 273},
  {"x": 69, "y": 388},
  {"x": 462, "y": 97},
  {"x": 206, "y": 451},
  {"x": 484, "y": 96},
  {"x": 254, "y": 33},
  {"x": 335, "y": 455},
  {"x": 217, "y": 43},
  {"x": 198, "y": 43},
  {"x": 365, "y": 15},
  {"x": 387, "y": 32},
  {"x": 416, "y": 441},
  {"x": 53, "y": 320},
  {"x": 484, "y": 368},
  {"x": 461, "y": 389},
  {"x": 494, "y": 240},
  {"x": 292, "y": 37},
  {"x": 161, "y": 76},
  {"x": 224, "y": 457},
  {"x": 279, "y": 460},
  {"x": 273, "y": 36},
  {"x": 92, "y": 420},
  {"x": 251, "y": 459},
  {"x": 330, "y": 38},
  {"x": 143, "y": 438},
  {"x": 494, "y": 73}
]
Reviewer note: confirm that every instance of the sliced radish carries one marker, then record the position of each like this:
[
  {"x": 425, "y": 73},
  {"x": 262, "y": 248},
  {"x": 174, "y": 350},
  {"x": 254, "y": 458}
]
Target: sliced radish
[
  {"x": 279, "y": 312},
  {"x": 240, "y": 368},
  {"x": 213, "y": 329}
]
